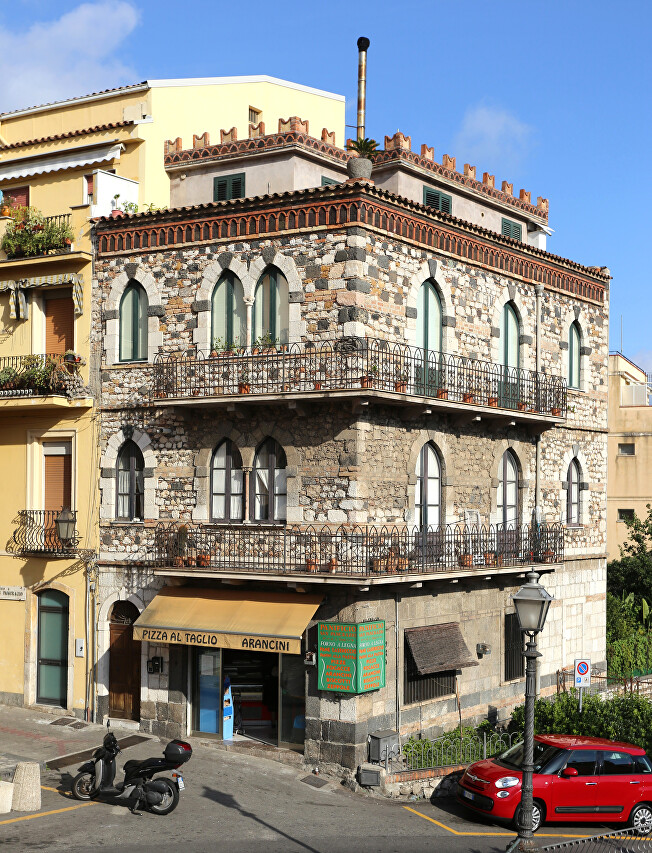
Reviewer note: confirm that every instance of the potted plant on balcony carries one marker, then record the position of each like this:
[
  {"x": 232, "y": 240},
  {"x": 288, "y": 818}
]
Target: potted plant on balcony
[
  {"x": 359, "y": 166},
  {"x": 6, "y": 205},
  {"x": 70, "y": 357},
  {"x": 244, "y": 384},
  {"x": 203, "y": 560},
  {"x": 181, "y": 545},
  {"x": 556, "y": 411},
  {"x": 492, "y": 558},
  {"x": 401, "y": 376},
  {"x": 548, "y": 556}
]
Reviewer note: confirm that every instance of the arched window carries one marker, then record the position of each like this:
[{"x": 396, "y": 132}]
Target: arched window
[
  {"x": 271, "y": 308},
  {"x": 269, "y": 482},
  {"x": 509, "y": 335},
  {"x": 133, "y": 323},
  {"x": 508, "y": 491},
  {"x": 130, "y": 491},
  {"x": 227, "y": 483},
  {"x": 427, "y": 502},
  {"x": 52, "y": 666},
  {"x": 228, "y": 313},
  {"x": 429, "y": 325},
  {"x": 574, "y": 356},
  {"x": 573, "y": 493}
]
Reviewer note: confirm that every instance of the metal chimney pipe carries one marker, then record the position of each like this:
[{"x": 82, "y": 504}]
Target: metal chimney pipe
[{"x": 363, "y": 44}]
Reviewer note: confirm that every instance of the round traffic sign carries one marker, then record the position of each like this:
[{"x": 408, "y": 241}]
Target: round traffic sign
[{"x": 582, "y": 667}]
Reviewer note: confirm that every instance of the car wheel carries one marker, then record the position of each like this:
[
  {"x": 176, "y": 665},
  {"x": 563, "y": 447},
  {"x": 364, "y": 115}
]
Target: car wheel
[
  {"x": 641, "y": 819},
  {"x": 538, "y": 811}
]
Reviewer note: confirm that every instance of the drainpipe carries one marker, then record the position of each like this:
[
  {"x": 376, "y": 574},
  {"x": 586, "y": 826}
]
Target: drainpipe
[
  {"x": 396, "y": 677},
  {"x": 538, "y": 290},
  {"x": 363, "y": 44}
]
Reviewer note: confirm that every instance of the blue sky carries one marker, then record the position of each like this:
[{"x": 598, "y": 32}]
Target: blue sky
[{"x": 552, "y": 96}]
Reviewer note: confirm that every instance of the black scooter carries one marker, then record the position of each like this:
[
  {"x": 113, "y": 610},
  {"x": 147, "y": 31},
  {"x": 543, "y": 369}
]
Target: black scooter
[{"x": 161, "y": 796}]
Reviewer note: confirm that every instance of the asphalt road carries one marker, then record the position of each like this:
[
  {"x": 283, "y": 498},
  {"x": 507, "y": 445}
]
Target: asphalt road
[{"x": 239, "y": 804}]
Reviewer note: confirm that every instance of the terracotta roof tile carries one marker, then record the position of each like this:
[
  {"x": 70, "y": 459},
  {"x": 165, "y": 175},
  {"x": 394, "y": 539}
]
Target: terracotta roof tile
[{"x": 23, "y": 143}]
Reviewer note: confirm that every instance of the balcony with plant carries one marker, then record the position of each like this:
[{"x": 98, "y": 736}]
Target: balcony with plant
[
  {"x": 40, "y": 375},
  {"x": 29, "y": 234}
]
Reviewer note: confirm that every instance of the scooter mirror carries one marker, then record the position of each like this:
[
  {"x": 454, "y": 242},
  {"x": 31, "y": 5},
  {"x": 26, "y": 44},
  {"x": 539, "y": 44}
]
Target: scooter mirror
[{"x": 108, "y": 723}]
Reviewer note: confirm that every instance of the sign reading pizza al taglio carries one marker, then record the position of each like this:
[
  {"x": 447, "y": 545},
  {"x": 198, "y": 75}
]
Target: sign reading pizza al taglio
[{"x": 351, "y": 656}]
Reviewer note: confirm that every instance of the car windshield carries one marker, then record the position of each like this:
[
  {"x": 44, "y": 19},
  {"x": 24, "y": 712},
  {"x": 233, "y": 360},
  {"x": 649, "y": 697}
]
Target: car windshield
[{"x": 543, "y": 754}]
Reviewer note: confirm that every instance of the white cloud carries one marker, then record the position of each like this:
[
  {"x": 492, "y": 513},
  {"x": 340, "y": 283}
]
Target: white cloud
[
  {"x": 493, "y": 139},
  {"x": 72, "y": 55}
]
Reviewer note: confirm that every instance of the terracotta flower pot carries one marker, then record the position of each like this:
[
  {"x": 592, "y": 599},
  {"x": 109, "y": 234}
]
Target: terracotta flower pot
[
  {"x": 311, "y": 564},
  {"x": 556, "y": 412},
  {"x": 332, "y": 565},
  {"x": 442, "y": 393},
  {"x": 244, "y": 387},
  {"x": 493, "y": 401},
  {"x": 401, "y": 386},
  {"x": 317, "y": 386},
  {"x": 467, "y": 397},
  {"x": 367, "y": 381},
  {"x": 465, "y": 560},
  {"x": 521, "y": 406}
]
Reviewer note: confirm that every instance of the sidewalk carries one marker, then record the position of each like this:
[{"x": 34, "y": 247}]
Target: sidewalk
[{"x": 29, "y": 735}]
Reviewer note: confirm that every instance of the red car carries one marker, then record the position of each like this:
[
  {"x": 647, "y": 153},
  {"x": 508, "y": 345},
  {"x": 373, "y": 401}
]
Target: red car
[{"x": 575, "y": 779}]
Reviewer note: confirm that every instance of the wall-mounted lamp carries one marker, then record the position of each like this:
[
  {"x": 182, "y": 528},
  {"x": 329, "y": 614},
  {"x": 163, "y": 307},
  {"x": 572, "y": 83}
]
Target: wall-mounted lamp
[{"x": 483, "y": 649}]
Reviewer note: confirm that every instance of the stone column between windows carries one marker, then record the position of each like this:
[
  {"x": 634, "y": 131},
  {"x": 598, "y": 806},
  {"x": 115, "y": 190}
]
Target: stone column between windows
[
  {"x": 246, "y": 471},
  {"x": 249, "y": 323}
]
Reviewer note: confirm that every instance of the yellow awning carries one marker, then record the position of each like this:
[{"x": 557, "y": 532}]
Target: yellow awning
[{"x": 228, "y": 619}]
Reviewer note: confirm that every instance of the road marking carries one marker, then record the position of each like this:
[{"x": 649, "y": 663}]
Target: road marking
[
  {"x": 45, "y": 814},
  {"x": 488, "y": 834}
]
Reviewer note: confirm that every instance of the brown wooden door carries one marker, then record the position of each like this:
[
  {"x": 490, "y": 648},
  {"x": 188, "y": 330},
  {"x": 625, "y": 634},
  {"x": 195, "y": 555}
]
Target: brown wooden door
[
  {"x": 124, "y": 663},
  {"x": 59, "y": 325}
]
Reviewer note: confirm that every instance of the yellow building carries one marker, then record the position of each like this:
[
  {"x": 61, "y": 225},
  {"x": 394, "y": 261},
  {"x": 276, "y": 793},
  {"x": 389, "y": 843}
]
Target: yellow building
[
  {"x": 630, "y": 448},
  {"x": 71, "y": 161}
]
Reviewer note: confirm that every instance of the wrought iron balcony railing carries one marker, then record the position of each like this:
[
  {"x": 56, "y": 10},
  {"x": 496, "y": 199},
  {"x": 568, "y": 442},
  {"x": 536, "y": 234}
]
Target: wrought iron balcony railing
[
  {"x": 37, "y": 534},
  {"x": 351, "y": 363},
  {"x": 358, "y": 551}
]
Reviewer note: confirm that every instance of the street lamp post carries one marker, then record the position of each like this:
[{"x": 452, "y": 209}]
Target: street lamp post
[{"x": 531, "y": 603}]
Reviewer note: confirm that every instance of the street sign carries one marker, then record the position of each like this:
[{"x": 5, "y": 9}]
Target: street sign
[{"x": 582, "y": 672}]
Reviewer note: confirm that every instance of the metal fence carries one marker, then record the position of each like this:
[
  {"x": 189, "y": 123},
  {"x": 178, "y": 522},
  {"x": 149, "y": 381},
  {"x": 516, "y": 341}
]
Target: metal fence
[
  {"x": 37, "y": 533},
  {"x": 358, "y": 363},
  {"x": 353, "y": 551},
  {"x": 606, "y": 684},
  {"x": 450, "y": 751},
  {"x": 30, "y": 375},
  {"x": 620, "y": 841}
]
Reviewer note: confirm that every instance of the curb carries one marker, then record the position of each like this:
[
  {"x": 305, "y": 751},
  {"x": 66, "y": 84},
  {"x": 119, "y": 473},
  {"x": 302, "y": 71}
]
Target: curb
[{"x": 83, "y": 755}]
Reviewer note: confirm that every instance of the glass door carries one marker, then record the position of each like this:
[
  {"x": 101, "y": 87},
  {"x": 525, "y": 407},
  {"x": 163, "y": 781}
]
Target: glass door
[
  {"x": 208, "y": 693},
  {"x": 52, "y": 671},
  {"x": 292, "y": 688}
]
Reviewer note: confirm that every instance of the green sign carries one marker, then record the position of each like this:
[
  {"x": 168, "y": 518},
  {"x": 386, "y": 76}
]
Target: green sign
[{"x": 351, "y": 656}]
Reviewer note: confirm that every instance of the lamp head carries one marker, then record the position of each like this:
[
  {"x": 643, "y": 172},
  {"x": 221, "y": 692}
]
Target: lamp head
[{"x": 531, "y": 602}]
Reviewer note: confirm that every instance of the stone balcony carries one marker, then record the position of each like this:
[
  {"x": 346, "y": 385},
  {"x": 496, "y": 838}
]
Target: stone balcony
[
  {"x": 395, "y": 374},
  {"x": 353, "y": 556}
]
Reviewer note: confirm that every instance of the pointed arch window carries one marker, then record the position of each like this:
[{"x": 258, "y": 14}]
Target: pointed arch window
[
  {"x": 510, "y": 333},
  {"x": 574, "y": 356},
  {"x": 508, "y": 491},
  {"x": 573, "y": 493},
  {"x": 133, "y": 323},
  {"x": 429, "y": 318},
  {"x": 269, "y": 483},
  {"x": 228, "y": 313},
  {"x": 131, "y": 486},
  {"x": 271, "y": 308},
  {"x": 427, "y": 503},
  {"x": 227, "y": 483}
]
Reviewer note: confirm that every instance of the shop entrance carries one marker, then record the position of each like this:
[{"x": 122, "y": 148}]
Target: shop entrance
[{"x": 268, "y": 691}]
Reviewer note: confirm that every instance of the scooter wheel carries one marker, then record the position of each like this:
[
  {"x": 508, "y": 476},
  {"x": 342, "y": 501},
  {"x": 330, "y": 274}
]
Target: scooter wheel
[
  {"x": 170, "y": 799},
  {"x": 82, "y": 786}
]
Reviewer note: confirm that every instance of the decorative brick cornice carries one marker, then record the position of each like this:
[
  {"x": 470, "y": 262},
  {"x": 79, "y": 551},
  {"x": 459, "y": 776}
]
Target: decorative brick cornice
[
  {"x": 466, "y": 180},
  {"x": 354, "y": 203},
  {"x": 254, "y": 146}
]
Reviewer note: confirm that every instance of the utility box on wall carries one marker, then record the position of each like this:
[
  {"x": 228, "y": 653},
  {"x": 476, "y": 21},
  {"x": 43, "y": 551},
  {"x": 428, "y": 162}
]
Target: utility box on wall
[
  {"x": 351, "y": 656},
  {"x": 383, "y": 745}
]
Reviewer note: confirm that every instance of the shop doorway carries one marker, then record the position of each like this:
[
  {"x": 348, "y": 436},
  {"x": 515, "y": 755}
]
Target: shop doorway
[
  {"x": 268, "y": 691},
  {"x": 124, "y": 663}
]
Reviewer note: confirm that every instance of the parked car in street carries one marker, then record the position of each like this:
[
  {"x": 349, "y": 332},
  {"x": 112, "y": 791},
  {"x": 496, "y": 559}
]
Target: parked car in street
[{"x": 575, "y": 779}]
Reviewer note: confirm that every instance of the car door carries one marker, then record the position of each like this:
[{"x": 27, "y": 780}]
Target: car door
[
  {"x": 575, "y": 797},
  {"x": 620, "y": 785}
]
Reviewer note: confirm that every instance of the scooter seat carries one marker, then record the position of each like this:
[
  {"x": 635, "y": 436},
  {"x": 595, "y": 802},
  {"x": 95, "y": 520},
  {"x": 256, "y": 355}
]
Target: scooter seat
[{"x": 131, "y": 765}]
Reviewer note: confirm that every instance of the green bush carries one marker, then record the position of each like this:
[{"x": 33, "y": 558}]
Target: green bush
[
  {"x": 626, "y": 718},
  {"x": 30, "y": 234}
]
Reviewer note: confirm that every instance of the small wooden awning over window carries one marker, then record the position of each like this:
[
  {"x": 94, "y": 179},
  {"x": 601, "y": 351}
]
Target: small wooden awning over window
[
  {"x": 438, "y": 648},
  {"x": 18, "y": 306}
]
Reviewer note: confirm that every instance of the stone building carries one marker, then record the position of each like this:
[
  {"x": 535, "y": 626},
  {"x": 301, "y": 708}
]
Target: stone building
[{"x": 332, "y": 411}]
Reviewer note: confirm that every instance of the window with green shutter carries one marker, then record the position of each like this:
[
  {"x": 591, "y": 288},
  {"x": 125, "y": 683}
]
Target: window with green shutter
[
  {"x": 327, "y": 182},
  {"x": 229, "y": 186},
  {"x": 512, "y": 229},
  {"x": 438, "y": 200}
]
